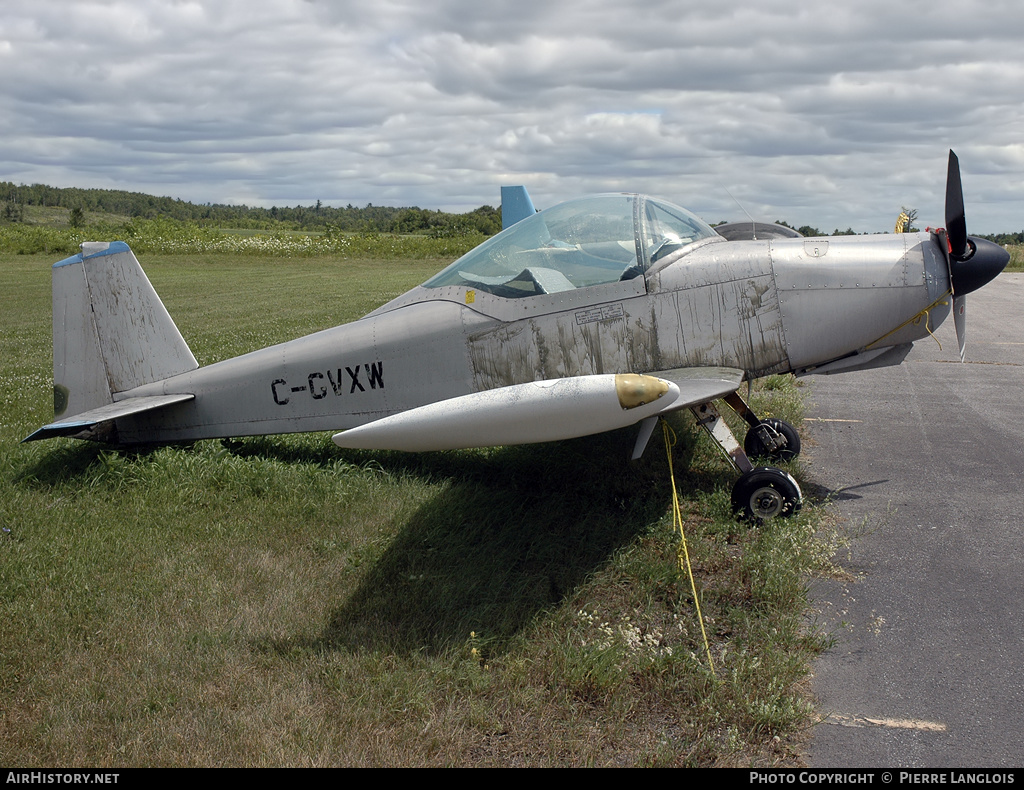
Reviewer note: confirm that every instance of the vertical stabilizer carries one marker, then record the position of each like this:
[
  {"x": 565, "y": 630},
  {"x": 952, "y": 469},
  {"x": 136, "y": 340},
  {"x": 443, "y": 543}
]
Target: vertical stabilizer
[
  {"x": 111, "y": 332},
  {"x": 515, "y": 205}
]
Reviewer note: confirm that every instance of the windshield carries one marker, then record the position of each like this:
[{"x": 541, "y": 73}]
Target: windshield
[
  {"x": 584, "y": 242},
  {"x": 668, "y": 228}
]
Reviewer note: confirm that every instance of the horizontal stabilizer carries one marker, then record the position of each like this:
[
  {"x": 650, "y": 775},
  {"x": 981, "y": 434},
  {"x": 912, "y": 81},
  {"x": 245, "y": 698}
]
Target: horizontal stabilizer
[
  {"x": 87, "y": 423},
  {"x": 539, "y": 411}
]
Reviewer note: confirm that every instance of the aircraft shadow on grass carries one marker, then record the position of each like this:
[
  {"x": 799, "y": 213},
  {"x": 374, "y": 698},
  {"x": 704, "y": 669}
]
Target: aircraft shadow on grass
[
  {"x": 507, "y": 538},
  {"x": 510, "y": 535},
  {"x": 512, "y": 532}
]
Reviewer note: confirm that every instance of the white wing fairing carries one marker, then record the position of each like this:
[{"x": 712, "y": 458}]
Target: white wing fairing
[
  {"x": 543, "y": 411},
  {"x": 538, "y": 411}
]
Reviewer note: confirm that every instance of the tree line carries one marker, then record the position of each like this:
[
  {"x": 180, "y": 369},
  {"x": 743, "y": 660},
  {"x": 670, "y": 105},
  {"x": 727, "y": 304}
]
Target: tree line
[
  {"x": 1004, "y": 239},
  {"x": 317, "y": 217}
]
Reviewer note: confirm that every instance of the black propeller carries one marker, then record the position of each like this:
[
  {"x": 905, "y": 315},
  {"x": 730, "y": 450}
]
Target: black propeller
[
  {"x": 972, "y": 262},
  {"x": 956, "y": 221}
]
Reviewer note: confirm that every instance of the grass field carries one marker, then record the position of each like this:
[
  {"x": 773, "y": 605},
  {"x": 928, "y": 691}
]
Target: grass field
[
  {"x": 280, "y": 602},
  {"x": 1016, "y": 263}
]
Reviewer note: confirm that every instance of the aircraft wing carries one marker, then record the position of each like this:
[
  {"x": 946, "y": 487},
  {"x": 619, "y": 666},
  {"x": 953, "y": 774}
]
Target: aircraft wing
[
  {"x": 88, "y": 420},
  {"x": 700, "y": 385},
  {"x": 542, "y": 411},
  {"x": 695, "y": 385},
  {"x": 536, "y": 411}
]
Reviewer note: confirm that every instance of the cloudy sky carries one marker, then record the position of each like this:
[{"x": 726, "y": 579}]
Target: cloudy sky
[{"x": 828, "y": 114}]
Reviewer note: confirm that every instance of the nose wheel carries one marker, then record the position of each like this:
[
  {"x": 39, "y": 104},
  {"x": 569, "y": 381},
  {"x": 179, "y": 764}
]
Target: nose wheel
[{"x": 772, "y": 439}]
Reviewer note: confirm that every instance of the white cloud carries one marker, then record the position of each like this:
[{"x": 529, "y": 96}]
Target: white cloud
[{"x": 830, "y": 115}]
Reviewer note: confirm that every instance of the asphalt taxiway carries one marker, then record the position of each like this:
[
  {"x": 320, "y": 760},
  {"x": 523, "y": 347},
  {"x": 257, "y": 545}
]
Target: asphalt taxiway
[{"x": 924, "y": 465}]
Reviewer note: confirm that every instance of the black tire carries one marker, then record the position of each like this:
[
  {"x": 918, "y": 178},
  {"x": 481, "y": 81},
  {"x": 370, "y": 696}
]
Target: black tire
[
  {"x": 765, "y": 493},
  {"x": 755, "y": 448}
]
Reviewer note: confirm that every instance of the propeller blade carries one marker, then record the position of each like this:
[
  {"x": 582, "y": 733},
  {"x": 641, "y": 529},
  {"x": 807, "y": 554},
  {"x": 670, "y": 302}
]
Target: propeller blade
[
  {"x": 956, "y": 222},
  {"x": 960, "y": 322},
  {"x": 972, "y": 261}
]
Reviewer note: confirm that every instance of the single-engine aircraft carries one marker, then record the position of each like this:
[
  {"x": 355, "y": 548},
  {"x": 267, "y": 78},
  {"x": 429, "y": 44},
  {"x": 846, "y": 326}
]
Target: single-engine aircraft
[{"x": 592, "y": 315}]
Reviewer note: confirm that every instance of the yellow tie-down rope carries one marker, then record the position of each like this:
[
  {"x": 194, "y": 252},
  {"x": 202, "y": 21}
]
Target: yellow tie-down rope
[
  {"x": 926, "y": 314},
  {"x": 683, "y": 552}
]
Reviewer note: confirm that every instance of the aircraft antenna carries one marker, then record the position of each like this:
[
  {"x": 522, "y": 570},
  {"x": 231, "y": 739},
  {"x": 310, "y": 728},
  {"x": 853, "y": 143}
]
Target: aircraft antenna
[{"x": 753, "y": 224}]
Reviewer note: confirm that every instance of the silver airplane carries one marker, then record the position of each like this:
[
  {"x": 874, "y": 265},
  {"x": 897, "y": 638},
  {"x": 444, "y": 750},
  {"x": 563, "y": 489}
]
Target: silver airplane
[{"x": 595, "y": 314}]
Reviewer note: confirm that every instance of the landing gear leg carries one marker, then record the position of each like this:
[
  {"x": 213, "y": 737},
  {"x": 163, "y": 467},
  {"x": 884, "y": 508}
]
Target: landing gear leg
[
  {"x": 710, "y": 419},
  {"x": 762, "y": 492}
]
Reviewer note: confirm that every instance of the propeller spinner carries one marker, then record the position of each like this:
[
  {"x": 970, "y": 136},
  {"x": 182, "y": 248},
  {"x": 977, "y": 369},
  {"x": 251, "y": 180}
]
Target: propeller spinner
[{"x": 972, "y": 262}]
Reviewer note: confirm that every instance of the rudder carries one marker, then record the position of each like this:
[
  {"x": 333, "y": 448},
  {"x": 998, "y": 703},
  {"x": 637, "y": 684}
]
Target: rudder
[
  {"x": 111, "y": 332},
  {"x": 516, "y": 205}
]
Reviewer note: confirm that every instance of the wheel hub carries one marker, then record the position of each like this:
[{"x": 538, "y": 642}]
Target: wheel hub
[{"x": 766, "y": 502}]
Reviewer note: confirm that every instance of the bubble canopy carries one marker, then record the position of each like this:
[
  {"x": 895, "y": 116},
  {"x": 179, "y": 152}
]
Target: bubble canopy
[{"x": 583, "y": 242}]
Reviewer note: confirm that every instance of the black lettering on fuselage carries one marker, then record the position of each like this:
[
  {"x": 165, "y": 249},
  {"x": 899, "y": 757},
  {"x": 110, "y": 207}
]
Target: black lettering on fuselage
[
  {"x": 321, "y": 390},
  {"x": 336, "y": 384},
  {"x": 376, "y": 373},
  {"x": 355, "y": 380},
  {"x": 335, "y": 377},
  {"x": 277, "y": 398}
]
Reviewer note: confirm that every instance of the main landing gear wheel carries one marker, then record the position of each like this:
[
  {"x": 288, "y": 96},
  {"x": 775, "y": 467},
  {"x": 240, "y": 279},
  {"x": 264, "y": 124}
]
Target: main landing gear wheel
[
  {"x": 782, "y": 435},
  {"x": 765, "y": 493}
]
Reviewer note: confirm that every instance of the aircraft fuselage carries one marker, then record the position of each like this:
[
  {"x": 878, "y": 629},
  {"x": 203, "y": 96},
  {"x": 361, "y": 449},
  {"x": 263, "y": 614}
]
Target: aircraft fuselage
[{"x": 785, "y": 305}]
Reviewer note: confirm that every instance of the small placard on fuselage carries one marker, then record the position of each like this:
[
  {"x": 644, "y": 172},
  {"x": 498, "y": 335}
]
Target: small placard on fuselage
[{"x": 599, "y": 313}]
